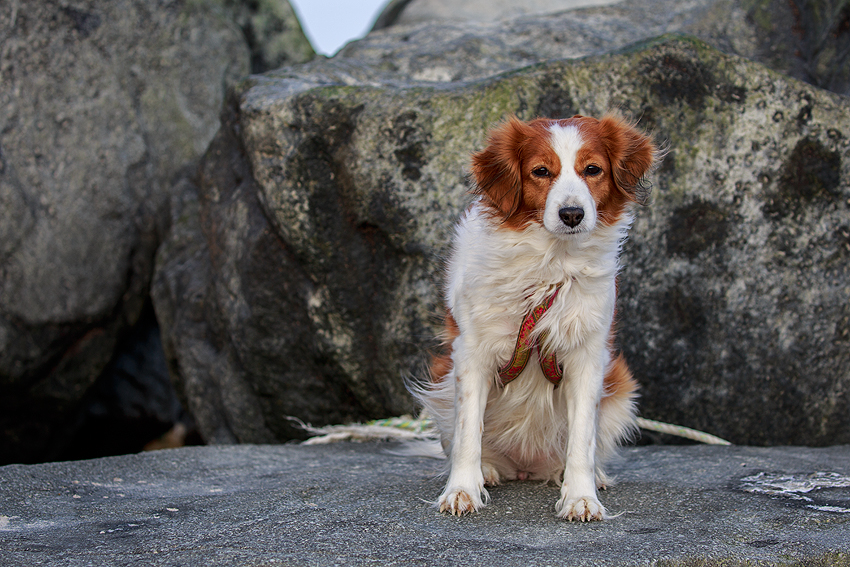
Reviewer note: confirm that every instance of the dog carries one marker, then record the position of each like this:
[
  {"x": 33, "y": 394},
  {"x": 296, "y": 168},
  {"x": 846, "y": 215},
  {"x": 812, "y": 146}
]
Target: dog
[{"x": 529, "y": 386}]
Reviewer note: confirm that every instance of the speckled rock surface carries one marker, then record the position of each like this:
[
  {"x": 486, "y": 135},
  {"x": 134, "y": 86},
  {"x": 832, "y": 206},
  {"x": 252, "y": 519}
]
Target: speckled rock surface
[
  {"x": 272, "y": 31},
  {"x": 103, "y": 106},
  {"x": 438, "y": 40},
  {"x": 408, "y": 12},
  {"x": 324, "y": 210},
  {"x": 355, "y": 505}
]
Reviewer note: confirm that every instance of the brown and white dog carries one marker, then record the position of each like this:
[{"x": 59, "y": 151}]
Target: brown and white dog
[{"x": 530, "y": 388}]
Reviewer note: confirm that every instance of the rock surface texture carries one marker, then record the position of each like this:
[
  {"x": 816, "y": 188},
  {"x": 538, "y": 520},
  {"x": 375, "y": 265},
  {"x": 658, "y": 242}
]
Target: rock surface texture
[
  {"x": 407, "y": 12},
  {"x": 304, "y": 280},
  {"x": 355, "y": 505},
  {"x": 103, "y": 106},
  {"x": 271, "y": 30},
  {"x": 806, "y": 39}
]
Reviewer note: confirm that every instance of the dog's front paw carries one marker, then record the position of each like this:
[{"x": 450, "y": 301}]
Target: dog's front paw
[
  {"x": 582, "y": 509},
  {"x": 458, "y": 501}
]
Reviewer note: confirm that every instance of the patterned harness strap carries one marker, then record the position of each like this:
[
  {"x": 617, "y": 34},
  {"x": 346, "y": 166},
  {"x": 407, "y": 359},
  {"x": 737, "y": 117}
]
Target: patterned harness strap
[{"x": 525, "y": 343}]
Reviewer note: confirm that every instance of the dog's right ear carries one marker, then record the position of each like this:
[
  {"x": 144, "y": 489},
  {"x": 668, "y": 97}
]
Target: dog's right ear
[{"x": 497, "y": 168}]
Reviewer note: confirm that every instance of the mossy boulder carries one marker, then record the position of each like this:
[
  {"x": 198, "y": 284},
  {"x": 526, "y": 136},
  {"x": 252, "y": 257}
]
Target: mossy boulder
[{"x": 324, "y": 210}]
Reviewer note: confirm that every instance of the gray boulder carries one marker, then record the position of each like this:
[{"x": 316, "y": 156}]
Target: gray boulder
[
  {"x": 272, "y": 31},
  {"x": 304, "y": 279},
  {"x": 407, "y": 12},
  {"x": 103, "y": 106},
  {"x": 439, "y": 40}
]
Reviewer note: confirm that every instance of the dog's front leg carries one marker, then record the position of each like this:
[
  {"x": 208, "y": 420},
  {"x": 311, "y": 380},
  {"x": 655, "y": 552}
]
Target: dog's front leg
[
  {"x": 583, "y": 386},
  {"x": 465, "y": 490}
]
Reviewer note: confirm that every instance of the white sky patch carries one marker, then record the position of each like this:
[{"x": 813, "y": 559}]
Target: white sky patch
[{"x": 330, "y": 24}]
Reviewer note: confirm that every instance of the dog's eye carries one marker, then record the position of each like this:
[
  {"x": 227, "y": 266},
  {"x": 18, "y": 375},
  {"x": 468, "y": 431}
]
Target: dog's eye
[
  {"x": 540, "y": 172},
  {"x": 592, "y": 170}
]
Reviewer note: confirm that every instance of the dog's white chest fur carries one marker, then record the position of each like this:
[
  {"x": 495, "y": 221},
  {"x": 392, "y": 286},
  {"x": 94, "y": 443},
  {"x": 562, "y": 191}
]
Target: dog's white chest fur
[{"x": 494, "y": 278}]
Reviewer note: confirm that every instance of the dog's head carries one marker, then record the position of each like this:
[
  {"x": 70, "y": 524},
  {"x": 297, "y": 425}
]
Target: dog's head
[{"x": 567, "y": 175}]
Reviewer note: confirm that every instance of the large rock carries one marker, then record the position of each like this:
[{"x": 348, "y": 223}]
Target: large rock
[
  {"x": 439, "y": 40},
  {"x": 304, "y": 279},
  {"x": 272, "y": 31},
  {"x": 407, "y": 12},
  {"x": 103, "y": 106},
  {"x": 354, "y": 505}
]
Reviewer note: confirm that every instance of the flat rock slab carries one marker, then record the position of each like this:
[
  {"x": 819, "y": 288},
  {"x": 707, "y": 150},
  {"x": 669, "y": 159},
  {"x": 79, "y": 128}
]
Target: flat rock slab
[{"x": 354, "y": 504}]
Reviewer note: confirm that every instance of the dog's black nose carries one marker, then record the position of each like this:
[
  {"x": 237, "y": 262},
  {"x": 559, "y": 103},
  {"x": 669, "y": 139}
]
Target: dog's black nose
[{"x": 571, "y": 216}]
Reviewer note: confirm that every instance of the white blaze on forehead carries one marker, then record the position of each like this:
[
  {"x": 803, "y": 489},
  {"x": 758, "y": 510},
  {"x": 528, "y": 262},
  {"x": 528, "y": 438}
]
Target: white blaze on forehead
[
  {"x": 566, "y": 141},
  {"x": 568, "y": 189}
]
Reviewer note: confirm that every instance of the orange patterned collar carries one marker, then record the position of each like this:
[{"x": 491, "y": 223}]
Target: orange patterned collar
[{"x": 525, "y": 343}]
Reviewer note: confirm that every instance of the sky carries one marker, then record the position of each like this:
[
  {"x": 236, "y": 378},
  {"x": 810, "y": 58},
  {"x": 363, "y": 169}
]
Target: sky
[{"x": 330, "y": 24}]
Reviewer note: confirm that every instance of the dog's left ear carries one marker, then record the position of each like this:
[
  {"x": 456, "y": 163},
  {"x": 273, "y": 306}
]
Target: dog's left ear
[
  {"x": 632, "y": 154},
  {"x": 497, "y": 168}
]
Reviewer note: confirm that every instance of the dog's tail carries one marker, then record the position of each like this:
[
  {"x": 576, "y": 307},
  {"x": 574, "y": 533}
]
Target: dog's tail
[{"x": 429, "y": 448}]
